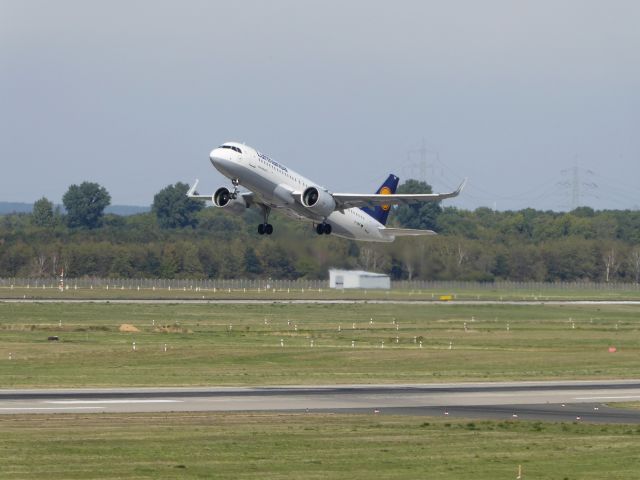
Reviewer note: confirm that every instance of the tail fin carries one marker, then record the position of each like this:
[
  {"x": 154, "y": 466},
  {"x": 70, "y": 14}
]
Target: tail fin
[{"x": 387, "y": 188}]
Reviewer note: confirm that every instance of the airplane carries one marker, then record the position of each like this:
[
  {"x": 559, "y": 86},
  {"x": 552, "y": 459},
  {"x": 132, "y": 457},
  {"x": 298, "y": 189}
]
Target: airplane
[{"x": 272, "y": 185}]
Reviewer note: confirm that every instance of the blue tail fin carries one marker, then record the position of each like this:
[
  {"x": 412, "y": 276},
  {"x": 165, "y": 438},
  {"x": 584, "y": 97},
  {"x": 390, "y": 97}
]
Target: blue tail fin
[{"x": 387, "y": 188}]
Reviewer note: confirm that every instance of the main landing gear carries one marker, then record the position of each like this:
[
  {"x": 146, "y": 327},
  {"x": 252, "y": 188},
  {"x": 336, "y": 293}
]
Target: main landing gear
[
  {"x": 265, "y": 228},
  {"x": 323, "y": 228}
]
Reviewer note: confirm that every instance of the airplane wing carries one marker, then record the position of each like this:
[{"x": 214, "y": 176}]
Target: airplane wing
[
  {"x": 248, "y": 197},
  {"x": 348, "y": 200},
  {"x": 193, "y": 194},
  {"x": 405, "y": 232}
]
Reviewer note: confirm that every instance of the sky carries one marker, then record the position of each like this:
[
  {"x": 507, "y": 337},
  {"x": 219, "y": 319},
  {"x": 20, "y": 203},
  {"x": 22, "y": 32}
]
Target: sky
[{"x": 536, "y": 102}]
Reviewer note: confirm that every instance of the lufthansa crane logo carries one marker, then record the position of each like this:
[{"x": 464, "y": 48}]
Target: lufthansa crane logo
[{"x": 385, "y": 191}]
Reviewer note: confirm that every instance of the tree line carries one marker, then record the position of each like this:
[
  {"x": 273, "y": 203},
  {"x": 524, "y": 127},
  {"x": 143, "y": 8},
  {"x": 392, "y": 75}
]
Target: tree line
[{"x": 180, "y": 238}]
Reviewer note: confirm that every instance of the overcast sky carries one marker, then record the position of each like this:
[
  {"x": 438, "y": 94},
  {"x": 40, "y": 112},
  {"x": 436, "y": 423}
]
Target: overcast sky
[{"x": 134, "y": 95}]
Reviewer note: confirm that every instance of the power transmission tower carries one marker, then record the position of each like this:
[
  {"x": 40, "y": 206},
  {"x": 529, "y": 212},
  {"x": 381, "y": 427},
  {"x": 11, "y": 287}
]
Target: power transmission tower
[
  {"x": 576, "y": 187},
  {"x": 418, "y": 163}
]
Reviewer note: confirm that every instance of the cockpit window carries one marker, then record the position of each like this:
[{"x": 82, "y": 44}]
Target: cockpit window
[{"x": 235, "y": 149}]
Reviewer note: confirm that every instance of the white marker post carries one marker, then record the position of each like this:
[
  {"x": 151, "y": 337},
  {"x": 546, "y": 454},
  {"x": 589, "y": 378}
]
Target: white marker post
[
  {"x": 282, "y": 342},
  {"x": 353, "y": 344},
  {"x": 420, "y": 343},
  {"x": 134, "y": 346},
  {"x": 165, "y": 347},
  {"x": 450, "y": 345}
]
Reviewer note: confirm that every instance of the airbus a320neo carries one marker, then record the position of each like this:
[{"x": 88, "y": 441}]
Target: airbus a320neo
[{"x": 271, "y": 185}]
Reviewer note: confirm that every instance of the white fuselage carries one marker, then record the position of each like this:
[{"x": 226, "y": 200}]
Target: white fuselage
[{"x": 274, "y": 184}]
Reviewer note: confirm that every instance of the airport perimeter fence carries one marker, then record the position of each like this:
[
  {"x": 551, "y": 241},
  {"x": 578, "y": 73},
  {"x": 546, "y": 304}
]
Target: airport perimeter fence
[{"x": 301, "y": 284}]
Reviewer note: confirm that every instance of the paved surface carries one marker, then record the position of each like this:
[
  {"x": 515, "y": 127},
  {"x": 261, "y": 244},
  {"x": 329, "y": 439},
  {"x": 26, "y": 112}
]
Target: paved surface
[
  {"x": 239, "y": 301},
  {"x": 554, "y": 401}
]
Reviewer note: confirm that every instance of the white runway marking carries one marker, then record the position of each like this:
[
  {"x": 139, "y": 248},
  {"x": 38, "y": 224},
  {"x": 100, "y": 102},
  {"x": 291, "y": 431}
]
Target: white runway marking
[
  {"x": 104, "y": 402},
  {"x": 625, "y": 397},
  {"x": 48, "y": 408}
]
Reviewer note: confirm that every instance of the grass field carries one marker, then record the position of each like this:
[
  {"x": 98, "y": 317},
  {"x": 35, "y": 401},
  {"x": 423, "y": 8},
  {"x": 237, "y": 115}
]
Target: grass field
[
  {"x": 241, "y": 344},
  {"x": 278, "y": 446},
  {"x": 549, "y": 292}
]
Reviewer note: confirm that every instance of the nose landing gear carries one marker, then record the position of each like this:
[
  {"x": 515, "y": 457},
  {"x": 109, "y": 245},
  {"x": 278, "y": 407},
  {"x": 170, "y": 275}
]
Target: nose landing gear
[{"x": 235, "y": 182}]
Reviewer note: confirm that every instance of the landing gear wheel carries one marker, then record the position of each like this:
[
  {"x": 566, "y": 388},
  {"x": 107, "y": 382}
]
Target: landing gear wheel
[
  {"x": 235, "y": 182},
  {"x": 265, "y": 228},
  {"x": 323, "y": 228}
]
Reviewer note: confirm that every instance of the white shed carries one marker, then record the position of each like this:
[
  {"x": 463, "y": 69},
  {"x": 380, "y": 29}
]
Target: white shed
[{"x": 358, "y": 279}]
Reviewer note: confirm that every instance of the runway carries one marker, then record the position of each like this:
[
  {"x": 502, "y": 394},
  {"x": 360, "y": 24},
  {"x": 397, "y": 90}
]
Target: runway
[
  {"x": 545, "y": 401},
  {"x": 239, "y": 301}
]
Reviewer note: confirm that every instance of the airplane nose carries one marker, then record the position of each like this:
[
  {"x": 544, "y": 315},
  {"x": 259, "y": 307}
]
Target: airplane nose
[{"x": 221, "y": 160}]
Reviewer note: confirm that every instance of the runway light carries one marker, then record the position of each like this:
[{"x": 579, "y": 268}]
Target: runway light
[
  {"x": 282, "y": 342},
  {"x": 353, "y": 344}
]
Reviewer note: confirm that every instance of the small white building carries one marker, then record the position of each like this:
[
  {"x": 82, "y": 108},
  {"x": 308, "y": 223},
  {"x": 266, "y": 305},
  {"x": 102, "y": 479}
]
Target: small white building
[{"x": 358, "y": 279}]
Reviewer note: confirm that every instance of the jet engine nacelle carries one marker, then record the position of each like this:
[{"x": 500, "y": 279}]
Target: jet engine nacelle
[
  {"x": 318, "y": 201},
  {"x": 222, "y": 198}
]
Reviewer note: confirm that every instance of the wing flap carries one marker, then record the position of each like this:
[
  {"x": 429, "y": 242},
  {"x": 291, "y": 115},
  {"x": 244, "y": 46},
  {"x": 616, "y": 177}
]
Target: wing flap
[{"x": 406, "y": 232}]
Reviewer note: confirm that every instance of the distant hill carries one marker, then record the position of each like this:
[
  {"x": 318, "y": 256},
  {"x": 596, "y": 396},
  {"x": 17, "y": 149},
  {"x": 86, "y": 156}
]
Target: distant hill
[
  {"x": 126, "y": 209},
  {"x": 19, "y": 207}
]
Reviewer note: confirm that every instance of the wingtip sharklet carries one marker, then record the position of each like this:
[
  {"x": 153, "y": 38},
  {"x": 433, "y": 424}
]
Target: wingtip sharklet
[
  {"x": 461, "y": 186},
  {"x": 192, "y": 190}
]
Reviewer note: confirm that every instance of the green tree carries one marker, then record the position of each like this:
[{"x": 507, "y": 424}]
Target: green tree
[
  {"x": 251, "y": 262},
  {"x": 85, "y": 204},
  {"x": 423, "y": 215},
  {"x": 174, "y": 209},
  {"x": 43, "y": 213}
]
